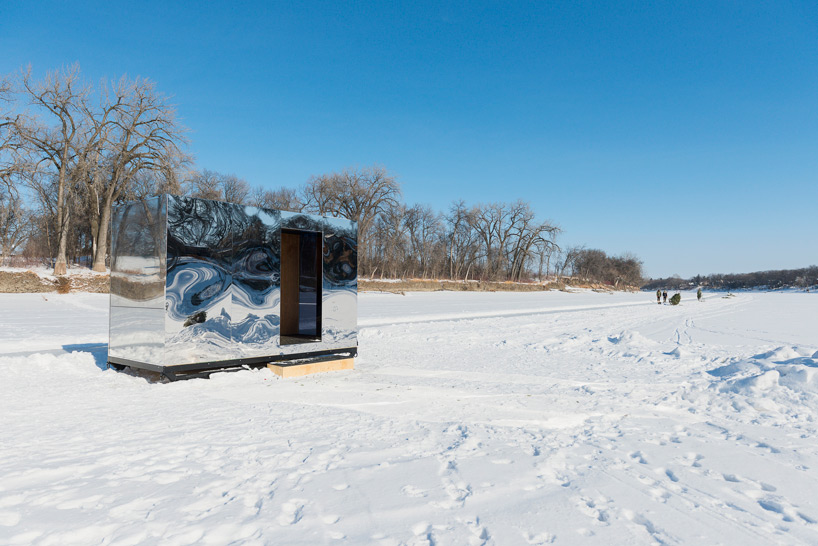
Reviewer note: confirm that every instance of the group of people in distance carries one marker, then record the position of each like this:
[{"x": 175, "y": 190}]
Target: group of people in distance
[
  {"x": 659, "y": 295},
  {"x": 662, "y": 295}
]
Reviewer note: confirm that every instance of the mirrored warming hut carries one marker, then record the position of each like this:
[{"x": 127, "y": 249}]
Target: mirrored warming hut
[{"x": 200, "y": 285}]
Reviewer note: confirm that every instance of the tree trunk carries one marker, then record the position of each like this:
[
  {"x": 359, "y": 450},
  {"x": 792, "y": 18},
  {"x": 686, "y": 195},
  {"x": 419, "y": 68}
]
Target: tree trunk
[
  {"x": 102, "y": 242},
  {"x": 60, "y": 265},
  {"x": 102, "y": 234}
]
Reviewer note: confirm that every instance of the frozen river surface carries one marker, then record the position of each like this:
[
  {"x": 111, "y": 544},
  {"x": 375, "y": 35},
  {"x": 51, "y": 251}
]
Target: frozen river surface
[{"x": 497, "y": 418}]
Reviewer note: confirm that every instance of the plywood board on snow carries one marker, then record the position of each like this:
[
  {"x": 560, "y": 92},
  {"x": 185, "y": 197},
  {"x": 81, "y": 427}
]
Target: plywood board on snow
[{"x": 298, "y": 370}]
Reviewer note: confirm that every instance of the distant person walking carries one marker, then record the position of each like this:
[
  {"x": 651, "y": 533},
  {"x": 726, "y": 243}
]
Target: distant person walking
[
  {"x": 664, "y": 296},
  {"x": 659, "y": 297},
  {"x": 699, "y": 294}
]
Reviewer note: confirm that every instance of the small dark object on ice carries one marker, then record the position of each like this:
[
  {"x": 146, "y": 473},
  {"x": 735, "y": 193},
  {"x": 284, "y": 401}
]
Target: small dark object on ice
[
  {"x": 196, "y": 318},
  {"x": 676, "y": 299}
]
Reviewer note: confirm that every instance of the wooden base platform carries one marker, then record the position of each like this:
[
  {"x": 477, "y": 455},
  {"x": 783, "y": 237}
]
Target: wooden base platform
[{"x": 297, "y": 370}]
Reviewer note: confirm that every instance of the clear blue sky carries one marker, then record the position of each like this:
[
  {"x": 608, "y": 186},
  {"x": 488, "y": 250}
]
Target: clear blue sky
[{"x": 684, "y": 132}]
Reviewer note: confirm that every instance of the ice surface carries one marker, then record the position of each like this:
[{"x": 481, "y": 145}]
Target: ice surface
[{"x": 500, "y": 418}]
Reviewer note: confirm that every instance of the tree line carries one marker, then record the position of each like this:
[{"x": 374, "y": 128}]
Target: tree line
[
  {"x": 69, "y": 152},
  {"x": 76, "y": 153},
  {"x": 804, "y": 278}
]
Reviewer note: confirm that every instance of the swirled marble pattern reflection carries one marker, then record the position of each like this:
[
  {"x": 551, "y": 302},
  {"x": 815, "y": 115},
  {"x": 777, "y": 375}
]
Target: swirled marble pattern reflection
[
  {"x": 195, "y": 286},
  {"x": 222, "y": 294}
]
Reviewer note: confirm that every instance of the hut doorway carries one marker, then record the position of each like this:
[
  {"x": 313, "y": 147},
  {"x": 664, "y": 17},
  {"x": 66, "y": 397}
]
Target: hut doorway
[{"x": 301, "y": 281}]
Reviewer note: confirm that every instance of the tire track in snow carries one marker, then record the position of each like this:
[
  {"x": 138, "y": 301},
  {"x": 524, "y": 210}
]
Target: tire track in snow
[{"x": 369, "y": 323}]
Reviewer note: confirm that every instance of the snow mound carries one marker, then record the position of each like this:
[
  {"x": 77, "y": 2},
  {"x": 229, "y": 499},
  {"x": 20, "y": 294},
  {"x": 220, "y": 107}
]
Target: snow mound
[
  {"x": 784, "y": 368},
  {"x": 78, "y": 363},
  {"x": 629, "y": 337},
  {"x": 679, "y": 352},
  {"x": 781, "y": 354}
]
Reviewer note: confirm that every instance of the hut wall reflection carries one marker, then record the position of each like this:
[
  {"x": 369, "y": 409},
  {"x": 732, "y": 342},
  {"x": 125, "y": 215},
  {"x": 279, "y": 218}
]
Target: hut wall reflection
[{"x": 196, "y": 281}]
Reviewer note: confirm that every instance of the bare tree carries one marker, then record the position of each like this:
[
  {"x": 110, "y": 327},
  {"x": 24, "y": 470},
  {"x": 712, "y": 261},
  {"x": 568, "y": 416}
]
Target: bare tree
[
  {"x": 518, "y": 238},
  {"x": 280, "y": 199},
  {"x": 389, "y": 250},
  {"x": 235, "y": 189},
  {"x": 319, "y": 194},
  {"x": 10, "y": 143},
  {"x": 358, "y": 194},
  {"x": 488, "y": 222},
  {"x": 60, "y": 94},
  {"x": 94, "y": 162},
  {"x": 15, "y": 224},
  {"x": 424, "y": 228},
  {"x": 544, "y": 250},
  {"x": 461, "y": 240},
  {"x": 142, "y": 131},
  {"x": 171, "y": 177},
  {"x": 527, "y": 237},
  {"x": 173, "y": 172},
  {"x": 568, "y": 259},
  {"x": 205, "y": 184},
  {"x": 590, "y": 264},
  {"x": 595, "y": 265}
]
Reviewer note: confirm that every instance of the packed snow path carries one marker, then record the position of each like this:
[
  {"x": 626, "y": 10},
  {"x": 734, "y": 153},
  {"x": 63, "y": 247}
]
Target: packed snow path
[{"x": 537, "y": 418}]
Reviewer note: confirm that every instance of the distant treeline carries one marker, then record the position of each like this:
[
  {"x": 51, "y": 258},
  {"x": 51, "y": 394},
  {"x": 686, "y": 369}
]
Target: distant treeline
[
  {"x": 70, "y": 151},
  {"x": 784, "y": 278}
]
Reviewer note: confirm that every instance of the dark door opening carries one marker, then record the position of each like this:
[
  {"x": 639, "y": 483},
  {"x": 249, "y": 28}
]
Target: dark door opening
[{"x": 301, "y": 281}]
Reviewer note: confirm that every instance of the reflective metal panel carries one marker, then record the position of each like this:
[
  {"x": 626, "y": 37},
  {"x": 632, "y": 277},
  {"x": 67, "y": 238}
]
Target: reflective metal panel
[
  {"x": 138, "y": 334},
  {"x": 256, "y": 281},
  {"x": 138, "y": 254},
  {"x": 210, "y": 272},
  {"x": 197, "y": 294}
]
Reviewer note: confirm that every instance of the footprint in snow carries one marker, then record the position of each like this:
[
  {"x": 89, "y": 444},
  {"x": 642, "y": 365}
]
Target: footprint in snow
[
  {"x": 480, "y": 534},
  {"x": 638, "y": 457},
  {"x": 645, "y": 523},
  {"x": 694, "y": 459},
  {"x": 539, "y": 538},
  {"x": 423, "y": 530},
  {"x": 671, "y": 475},
  {"x": 589, "y": 508},
  {"x": 787, "y": 511},
  {"x": 291, "y": 512},
  {"x": 412, "y": 491},
  {"x": 660, "y": 494},
  {"x": 763, "y": 445}
]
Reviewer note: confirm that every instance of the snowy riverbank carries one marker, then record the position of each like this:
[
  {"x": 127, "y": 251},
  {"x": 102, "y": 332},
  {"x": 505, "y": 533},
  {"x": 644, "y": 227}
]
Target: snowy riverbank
[{"x": 471, "y": 418}]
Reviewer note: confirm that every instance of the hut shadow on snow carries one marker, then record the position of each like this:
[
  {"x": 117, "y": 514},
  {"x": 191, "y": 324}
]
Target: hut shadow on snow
[{"x": 98, "y": 350}]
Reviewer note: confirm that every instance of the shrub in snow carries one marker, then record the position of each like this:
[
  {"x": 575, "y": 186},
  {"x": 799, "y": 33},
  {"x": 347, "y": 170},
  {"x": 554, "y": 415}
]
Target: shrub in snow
[
  {"x": 63, "y": 285},
  {"x": 676, "y": 299}
]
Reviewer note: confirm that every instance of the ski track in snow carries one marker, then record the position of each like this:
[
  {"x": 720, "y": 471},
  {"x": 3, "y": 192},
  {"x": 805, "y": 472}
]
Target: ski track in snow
[{"x": 470, "y": 419}]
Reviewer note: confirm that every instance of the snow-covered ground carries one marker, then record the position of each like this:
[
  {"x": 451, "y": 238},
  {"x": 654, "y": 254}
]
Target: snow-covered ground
[{"x": 470, "y": 418}]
